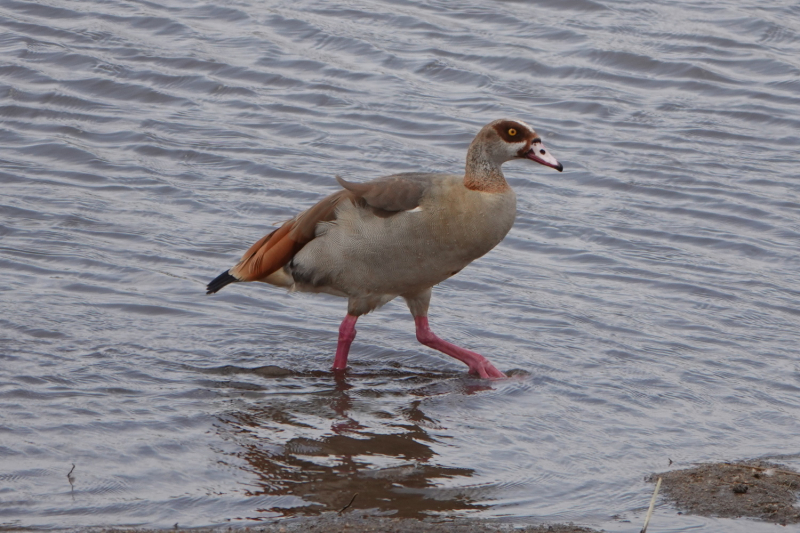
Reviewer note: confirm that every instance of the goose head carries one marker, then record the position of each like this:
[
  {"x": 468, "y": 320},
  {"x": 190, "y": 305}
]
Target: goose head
[{"x": 507, "y": 139}]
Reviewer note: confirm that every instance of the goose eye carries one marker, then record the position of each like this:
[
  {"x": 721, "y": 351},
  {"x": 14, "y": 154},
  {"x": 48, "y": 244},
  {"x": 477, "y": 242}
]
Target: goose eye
[{"x": 512, "y": 131}]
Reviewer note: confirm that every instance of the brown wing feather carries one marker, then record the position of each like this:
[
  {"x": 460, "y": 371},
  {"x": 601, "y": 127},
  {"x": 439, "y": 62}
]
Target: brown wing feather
[
  {"x": 279, "y": 247},
  {"x": 399, "y": 192}
]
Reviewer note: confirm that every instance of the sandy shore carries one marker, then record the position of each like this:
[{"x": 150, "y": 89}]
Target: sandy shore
[{"x": 753, "y": 489}]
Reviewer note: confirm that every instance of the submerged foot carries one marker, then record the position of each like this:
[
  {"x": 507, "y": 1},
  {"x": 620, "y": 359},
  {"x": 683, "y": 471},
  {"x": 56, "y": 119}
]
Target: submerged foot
[{"x": 485, "y": 369}]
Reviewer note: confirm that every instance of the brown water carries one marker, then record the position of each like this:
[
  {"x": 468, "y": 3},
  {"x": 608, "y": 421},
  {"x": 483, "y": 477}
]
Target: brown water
[{"x": 645, "y": 303}]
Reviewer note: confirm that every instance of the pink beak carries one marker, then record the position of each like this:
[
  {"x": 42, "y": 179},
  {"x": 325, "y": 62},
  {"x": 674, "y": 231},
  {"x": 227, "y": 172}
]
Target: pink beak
[{"x": 542, "y": 156}]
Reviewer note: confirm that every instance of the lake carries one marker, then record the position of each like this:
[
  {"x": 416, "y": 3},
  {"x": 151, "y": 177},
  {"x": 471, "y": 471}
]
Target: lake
[{"x": 645, "y": 303}]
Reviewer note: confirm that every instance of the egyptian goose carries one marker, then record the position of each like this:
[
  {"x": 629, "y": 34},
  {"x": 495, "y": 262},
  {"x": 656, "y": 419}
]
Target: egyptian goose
[{"x": 398, "y": 236}]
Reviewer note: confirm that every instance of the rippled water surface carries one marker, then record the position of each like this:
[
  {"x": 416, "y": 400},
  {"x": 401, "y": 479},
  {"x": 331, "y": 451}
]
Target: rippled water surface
[{"x": 645, "y": 303}]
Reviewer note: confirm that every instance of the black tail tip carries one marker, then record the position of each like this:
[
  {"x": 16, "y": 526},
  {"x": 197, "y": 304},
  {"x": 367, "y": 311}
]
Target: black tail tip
[{"x": 219, "y": 282}]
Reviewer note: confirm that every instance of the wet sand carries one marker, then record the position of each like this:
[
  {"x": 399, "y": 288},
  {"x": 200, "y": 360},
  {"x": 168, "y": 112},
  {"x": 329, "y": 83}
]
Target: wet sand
[
  {"x": 753, "y": 489},
  {"x": 357, "y": 523}
]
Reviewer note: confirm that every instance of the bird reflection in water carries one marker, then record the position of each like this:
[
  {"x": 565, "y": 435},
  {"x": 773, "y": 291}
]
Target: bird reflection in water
[{"x": 314, "y": 447}]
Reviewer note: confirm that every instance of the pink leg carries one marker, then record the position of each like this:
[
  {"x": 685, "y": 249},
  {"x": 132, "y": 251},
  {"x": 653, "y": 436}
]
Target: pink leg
[
  {"x": 477, "y": 363},
  {"x": 347, "y": 332}
]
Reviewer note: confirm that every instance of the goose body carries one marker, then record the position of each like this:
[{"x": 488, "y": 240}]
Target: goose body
[
  {"x": 398, "y": 236},
  {"x": 365, "y": 256}
]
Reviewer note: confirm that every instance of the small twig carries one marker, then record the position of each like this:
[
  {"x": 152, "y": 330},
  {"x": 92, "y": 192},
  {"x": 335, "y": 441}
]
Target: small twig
[
  {"x": 71, "y": 481},
  {"x": 349, "y": 504},
  {"x": 652, "y": 506}
]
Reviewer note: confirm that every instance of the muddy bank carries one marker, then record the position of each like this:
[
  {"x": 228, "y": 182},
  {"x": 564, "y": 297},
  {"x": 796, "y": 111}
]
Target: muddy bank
[
  {"x": 756, "y": 489},
  {"x": 373, "y": 524}
]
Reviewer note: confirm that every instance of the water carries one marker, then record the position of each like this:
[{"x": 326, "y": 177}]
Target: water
[{"x": 645, "y": 302}]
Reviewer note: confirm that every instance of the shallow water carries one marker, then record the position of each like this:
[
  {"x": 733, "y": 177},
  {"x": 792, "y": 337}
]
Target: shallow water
[{"x": 645, "y": 302}]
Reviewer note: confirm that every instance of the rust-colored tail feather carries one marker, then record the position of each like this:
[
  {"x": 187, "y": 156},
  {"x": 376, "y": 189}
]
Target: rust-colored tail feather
[{"x": 267, "y": 255}]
